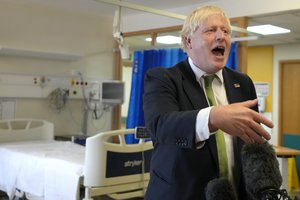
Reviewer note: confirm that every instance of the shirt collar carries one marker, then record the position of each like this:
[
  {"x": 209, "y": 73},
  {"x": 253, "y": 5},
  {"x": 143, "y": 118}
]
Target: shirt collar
[{"x": 199, "y": 73}]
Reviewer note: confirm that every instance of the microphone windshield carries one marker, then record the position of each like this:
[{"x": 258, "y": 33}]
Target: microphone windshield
[
  {"x": 260, "y": 168},
  {"x": 219, "y": 189}
]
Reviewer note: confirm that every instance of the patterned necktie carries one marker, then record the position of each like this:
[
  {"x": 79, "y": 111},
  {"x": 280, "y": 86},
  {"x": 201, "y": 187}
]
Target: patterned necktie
[{"x": 222, "y": 153}]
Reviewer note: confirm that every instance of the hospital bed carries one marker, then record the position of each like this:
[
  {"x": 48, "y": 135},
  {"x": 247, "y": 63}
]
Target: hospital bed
[{"x": 33, "y": 163}]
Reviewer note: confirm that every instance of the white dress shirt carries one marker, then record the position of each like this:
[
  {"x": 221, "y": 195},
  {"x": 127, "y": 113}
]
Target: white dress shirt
[{"x": 201, "y": 126}]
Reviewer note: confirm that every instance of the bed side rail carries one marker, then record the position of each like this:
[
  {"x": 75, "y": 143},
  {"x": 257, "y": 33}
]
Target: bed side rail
[{"x": 12, "y": 130}]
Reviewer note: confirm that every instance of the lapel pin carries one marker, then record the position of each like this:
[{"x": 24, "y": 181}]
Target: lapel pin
[{"x": 236, "y": 85}]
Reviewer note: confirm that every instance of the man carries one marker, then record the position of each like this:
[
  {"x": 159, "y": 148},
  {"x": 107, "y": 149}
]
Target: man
[{"x": 183, "y": 125}]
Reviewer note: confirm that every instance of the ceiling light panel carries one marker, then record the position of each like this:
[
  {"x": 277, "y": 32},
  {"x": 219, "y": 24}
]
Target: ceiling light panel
[
  {"x": 267, "y": 29},
  {"x": 167, "y": 39}
]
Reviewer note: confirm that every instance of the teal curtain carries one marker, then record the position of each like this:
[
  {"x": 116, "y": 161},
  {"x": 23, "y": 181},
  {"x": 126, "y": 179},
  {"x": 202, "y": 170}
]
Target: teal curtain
[{"x": 293, "y": 141}]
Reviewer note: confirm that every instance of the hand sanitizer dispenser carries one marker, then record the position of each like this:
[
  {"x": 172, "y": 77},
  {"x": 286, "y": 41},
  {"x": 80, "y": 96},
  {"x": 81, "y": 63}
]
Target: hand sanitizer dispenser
[{"x": 261, "y": 104}]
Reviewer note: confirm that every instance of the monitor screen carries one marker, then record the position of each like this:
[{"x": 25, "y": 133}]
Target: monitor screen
[{"x": 112, "y": 92}]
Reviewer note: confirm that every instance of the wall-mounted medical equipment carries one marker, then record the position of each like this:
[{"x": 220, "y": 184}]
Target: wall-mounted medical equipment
[
  {"x": 112, "y": 92},
  {"x": 109, "y": 92}
]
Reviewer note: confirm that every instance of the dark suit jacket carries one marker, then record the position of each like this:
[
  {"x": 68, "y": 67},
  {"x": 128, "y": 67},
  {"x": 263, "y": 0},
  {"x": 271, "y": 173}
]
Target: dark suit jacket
[{"x": 172, "y": 98}]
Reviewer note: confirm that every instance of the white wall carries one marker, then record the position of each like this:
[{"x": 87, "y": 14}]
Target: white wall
[
  {"x": 55, "y": 30},
  {"x": 127, "y": 74}
]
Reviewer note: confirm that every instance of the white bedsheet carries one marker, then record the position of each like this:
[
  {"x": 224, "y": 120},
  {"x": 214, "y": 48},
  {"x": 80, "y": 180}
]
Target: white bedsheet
[{"x": 43, "y": 168}]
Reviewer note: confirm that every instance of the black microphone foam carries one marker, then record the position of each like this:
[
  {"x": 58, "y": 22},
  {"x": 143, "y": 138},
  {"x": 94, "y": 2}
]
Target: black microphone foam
[
  {"x": 260, "y": 168},
  {"x": 220, "y": 189}
]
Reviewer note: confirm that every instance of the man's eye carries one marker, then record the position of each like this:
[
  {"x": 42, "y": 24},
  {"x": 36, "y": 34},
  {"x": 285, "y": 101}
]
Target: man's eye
[
  {"x": 225, "y": 31},
  {"x": 210, "y": 30}
]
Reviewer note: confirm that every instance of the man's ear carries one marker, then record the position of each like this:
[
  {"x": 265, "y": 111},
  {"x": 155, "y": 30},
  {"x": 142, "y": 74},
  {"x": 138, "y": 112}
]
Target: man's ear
[{"x": 188, "y": 43}]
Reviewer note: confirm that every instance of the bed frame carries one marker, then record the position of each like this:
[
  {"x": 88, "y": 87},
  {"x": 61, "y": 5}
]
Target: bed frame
[
  {"x": 118, "y": 170},
  {"x": 111, "y": 167}
]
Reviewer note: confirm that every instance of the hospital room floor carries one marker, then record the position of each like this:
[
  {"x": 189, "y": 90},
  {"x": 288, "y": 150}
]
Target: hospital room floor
[{"x": 3, "y": 196}]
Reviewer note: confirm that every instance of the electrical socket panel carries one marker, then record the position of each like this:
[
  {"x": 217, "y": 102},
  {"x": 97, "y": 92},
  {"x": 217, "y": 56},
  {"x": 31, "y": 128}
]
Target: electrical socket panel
[{"x": 40, "y": 86}]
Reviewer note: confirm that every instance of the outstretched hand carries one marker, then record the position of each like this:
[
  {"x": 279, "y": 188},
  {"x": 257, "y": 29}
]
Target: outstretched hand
[{"x": 238, "y": 119}]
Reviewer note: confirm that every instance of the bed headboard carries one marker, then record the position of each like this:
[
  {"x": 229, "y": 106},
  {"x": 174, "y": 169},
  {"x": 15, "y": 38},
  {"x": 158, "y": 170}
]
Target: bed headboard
[
  {"x": 108, "y": 163},
  {"x": 13, "y": 130}
]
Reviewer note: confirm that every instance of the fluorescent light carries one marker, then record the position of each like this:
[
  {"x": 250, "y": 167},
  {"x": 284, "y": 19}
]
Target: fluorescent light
[
  {"x": 246, "y": 38},
  {"x": 167, "y": 39},
  {"x": 267, "y": 29}
]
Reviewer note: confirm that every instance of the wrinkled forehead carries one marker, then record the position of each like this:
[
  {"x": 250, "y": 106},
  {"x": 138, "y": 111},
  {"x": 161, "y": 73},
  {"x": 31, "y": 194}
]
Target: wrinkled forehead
[{"x": 215, "y": 20}]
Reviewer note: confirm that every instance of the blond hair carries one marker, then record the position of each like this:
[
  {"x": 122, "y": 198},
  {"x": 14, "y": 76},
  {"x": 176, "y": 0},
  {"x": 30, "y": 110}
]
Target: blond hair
[{"x": 196, "y": 19}]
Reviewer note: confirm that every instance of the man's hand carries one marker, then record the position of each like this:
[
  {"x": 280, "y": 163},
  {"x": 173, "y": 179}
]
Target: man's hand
[{"x": 239, "y": 120}]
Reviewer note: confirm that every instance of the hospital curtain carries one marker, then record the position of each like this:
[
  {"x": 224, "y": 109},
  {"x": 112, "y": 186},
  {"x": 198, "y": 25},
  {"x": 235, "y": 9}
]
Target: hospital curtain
[
  {"x": 232, "y": 61},
  {"x": 142, "y": 61}
]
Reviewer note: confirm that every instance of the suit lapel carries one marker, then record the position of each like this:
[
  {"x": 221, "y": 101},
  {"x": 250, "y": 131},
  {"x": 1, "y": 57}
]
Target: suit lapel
[
  {"x": 192, "y": 88},
  {"x": 234, "y": 90},
  {"x": 232, "y": 86},
  {"x": 198, "y": 99}
]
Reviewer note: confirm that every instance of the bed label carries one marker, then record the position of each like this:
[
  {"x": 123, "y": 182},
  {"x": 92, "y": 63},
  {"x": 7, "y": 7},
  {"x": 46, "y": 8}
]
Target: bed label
[{"x": 124, "y": 164}]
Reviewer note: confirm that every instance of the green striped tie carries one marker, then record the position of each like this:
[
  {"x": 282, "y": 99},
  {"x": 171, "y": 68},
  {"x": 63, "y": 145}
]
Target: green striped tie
[{"x": 222, "y": 153}]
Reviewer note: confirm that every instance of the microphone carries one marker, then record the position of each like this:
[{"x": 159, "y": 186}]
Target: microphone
[
  {"x": 261, "y": 173},
  {"x": 219, "y": 189}
]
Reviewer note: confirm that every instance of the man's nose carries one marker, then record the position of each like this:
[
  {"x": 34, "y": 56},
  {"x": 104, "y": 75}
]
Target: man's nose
[{"x": 220, "y": 34}]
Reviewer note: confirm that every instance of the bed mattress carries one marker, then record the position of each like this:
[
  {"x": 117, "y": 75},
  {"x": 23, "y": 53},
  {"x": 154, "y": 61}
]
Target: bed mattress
[{"x": 51, "y": 169}]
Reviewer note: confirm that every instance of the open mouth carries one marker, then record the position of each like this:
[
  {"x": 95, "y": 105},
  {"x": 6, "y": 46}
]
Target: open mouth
[{"x": 219, "y": 51}]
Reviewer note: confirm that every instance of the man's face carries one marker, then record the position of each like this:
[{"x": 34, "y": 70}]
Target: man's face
[{"x": 209, "y": 46}]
